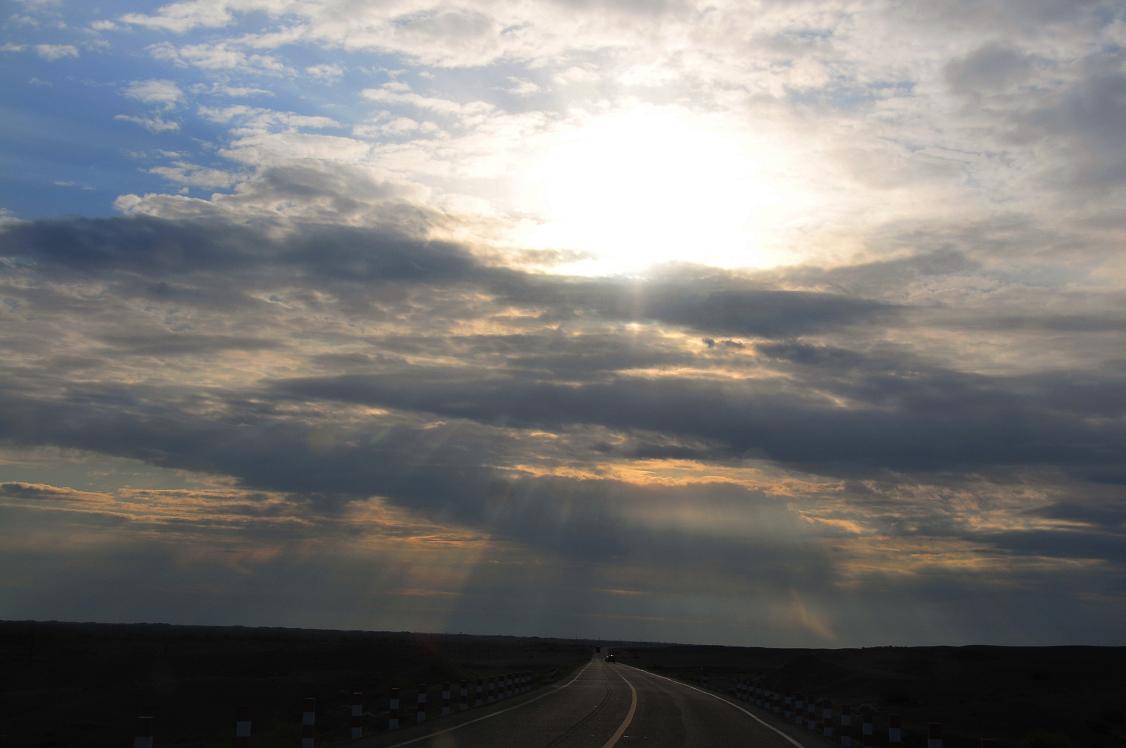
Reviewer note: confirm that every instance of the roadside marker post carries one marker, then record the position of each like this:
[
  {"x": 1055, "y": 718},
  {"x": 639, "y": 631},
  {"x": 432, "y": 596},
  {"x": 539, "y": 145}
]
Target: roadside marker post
[
  {"x": 478, "y": 700},
  {"x": 846, "y": 726},
  {"x": 934, "y": 735},
  {"x": 827, "y": 718},
  {"x": 242, "y": 726},
  {"x": 393, "y": 710},
  {"x": 142, "y": 735},
  {"x": 420, "y": 717},
  {"x": 357, "y": 723},
  {"x": 464, "y": 703},
  {"x": 895, "y": 731},
  {"x": 867, "y": 729},
  {"x": 445, "y": 699},
  {"x": 308, "y": 722}
]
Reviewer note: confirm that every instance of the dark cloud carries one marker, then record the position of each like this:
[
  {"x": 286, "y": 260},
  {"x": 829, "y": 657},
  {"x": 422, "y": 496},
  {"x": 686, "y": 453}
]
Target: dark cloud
[
  {"x": 989, "y": 69},
  {"x": 472, "y": 394},
  {"x": 902, "y": 420}
]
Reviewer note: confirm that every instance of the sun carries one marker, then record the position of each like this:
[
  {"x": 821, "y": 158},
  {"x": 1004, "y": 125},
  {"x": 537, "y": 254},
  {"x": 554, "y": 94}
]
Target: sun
[{"x": 655, "y": 184}]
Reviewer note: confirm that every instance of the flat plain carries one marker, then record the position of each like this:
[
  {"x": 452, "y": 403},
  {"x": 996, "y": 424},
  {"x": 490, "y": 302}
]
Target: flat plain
[{"x": 75, "y": 684}]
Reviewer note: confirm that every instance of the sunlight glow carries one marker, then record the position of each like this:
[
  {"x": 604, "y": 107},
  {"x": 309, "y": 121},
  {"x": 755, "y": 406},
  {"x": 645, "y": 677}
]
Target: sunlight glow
[{"x": 648, "y": 185}]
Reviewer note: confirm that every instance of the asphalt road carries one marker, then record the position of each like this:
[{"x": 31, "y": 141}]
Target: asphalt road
[{"x": 602, "y": 706}]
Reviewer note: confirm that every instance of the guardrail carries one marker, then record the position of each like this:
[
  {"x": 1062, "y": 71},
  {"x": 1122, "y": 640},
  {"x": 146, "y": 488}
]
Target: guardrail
[
  {"x": 835, "y": 722},
  {"x": 361, "y": 723}
]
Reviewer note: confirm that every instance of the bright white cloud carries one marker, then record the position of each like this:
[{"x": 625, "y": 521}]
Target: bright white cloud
[
  {"x": 217, "y": 57},
  {"x": 183, "y": 16}
]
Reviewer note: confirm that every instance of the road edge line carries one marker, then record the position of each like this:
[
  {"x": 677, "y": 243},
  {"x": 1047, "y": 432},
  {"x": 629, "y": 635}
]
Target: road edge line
[{"x": 756, "y": 718}]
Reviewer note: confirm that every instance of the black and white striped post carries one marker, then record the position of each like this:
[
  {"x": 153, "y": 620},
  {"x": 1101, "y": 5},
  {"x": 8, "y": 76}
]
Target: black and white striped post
[
  {"x": 491, "y": 684},
  {"x": 846, "y": 726},
  {"x": 827, "y": 718},
  {"x": 393, "y": 710},
  {"x": 308, "y": 722},
  {"x": 445, "y": 699},
  {"x": 895, "y": 731},
  {"x": 463, "y": 704},
  {"x": 810, "y": 713},
  {"x": 479, "y": 697},
  {"x": 934, "y": 735},
  {"x": 420, "y": 717},
  {"x": 242, "y": 726},
  {"x": 142, "y": 733},
  {"x": 867, "y": 728},
  {"x": 357, "y": 721}
]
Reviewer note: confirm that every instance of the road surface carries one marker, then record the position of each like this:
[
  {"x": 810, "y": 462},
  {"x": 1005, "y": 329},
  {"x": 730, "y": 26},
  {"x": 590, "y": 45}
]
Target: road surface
[{"x": 602, "y": 706}]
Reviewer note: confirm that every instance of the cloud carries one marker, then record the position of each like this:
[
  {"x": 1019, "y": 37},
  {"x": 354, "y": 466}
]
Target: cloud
[
  {"x": 180, "y": 17},
  {"x": 194, "y": 175},
  {"x": 325, "y": 71},
  {"x": 152, "y": 123},
  {"x": 217, "y": 56},
  {"x": 52, "y": 52},
  {"x": 991, "y": 68},
  {"x": 900, "y": 420},
  {"x": 164, "y": 93},
  {"x": 398, "y": 93}
]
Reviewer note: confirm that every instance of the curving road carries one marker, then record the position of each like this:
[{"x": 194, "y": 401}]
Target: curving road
[{"x": 600, "y": 707}]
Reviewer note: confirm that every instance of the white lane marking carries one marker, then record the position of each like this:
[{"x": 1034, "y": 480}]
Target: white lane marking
[
  {"x": 629, "y": 716},
  {"x": 767, "y": 725},
  {"x": 555, "y": 690}
]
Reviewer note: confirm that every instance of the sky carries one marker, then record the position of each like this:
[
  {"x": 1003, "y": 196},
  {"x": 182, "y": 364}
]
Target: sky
[{"x": 760, "y": 323}]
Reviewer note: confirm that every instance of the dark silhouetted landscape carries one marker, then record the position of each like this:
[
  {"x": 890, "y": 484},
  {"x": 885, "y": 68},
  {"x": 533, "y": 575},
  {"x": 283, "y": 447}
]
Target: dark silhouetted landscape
[{"x": 76, "y": 684}]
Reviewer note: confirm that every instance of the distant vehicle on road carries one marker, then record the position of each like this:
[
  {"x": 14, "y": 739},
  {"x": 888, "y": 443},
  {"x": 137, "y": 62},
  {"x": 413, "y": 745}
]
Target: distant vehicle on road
[{"x": 610, "y": 658}]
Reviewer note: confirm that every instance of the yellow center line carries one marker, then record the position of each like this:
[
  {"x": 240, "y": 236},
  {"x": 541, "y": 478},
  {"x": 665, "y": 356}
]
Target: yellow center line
[{"x": 629, "y": 715}]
